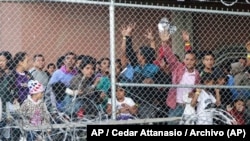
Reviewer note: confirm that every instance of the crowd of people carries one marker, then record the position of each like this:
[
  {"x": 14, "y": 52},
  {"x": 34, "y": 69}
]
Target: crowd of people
[{"x": 77, "y": 77}]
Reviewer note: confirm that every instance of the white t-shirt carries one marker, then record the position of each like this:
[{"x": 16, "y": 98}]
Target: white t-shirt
[
  {"x": 127, "y": 100},
  {"x": 189, "y": 110},
  {"x": 204, "y": 100}
]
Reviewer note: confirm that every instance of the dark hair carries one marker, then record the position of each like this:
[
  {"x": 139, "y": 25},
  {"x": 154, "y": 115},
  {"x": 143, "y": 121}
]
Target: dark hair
[
  {"x": 85, "y": 62},
  {"x": 206, "y": 77},
  {"x": 148, "y": 53},
  {"x": 51, "y": 64},
  {"x": 208, "y": 53},
  {"x": 190, "y": 52},
  {"x": 19, "y": 57},
  {"x": 244, "y": 58},
  {"x": 98, "y": 62},
  {"x": 9, "y": 59},
  {"x": 238, "y": 99},
  {"x": 226, "y": 65},
  {"x": 219, "y": 73},
  {"x": 86, "y": 57},
  {"x": 102, "y": 59},
  {"x": 6, "y": 54},
  {"x": 37, "y": 55},
  {"x": 2, "y": 73},
  {"x": 91, "y": 58},
  {"x": 176, "y": 55},
  {"x": 119, "y": 63},
  {"x": 70, "y": 53},
  {"x": 81, "y": 57},
  {"x": 120, "y": 87},
  {"x": 59, "y": 62}
]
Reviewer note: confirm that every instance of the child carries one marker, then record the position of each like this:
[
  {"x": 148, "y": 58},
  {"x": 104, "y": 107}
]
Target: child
[
  {"x": 204, "y": 98},
  {"x": 237, "y": 111},
  {"x": 33, "y": 109},
  {"x": 189, "y": 110},
  {"x": 125, "y": 106}
]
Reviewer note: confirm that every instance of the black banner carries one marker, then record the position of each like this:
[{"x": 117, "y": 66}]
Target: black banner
[{"x": 95, "y": 132}]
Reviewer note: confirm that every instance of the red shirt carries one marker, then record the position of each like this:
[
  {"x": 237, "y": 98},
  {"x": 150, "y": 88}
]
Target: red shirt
[{"x": 239, "y": 116}]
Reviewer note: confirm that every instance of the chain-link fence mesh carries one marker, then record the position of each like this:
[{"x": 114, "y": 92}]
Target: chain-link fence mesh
[{"x": 66, "y": 47}]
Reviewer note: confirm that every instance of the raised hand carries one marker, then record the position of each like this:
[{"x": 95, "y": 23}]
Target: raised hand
[
  {"x": 123, "y": 30},
  {"x": 164, "y": 35},
  {"x": 127, "y": 30},
  {"x": 185, "y": 36},
  {"x": 149, "y": 35}
]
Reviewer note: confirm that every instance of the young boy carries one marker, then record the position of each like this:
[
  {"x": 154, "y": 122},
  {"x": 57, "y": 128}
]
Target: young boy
[
  {"x": 208, "y": 61},
  {"x": 238, "y": 111},
  {"x": 33, "y": 109},
  {"x": 189, "y": 110},
  {"x": 125, "y": 106},
  {"x": 203, "y": 98}
]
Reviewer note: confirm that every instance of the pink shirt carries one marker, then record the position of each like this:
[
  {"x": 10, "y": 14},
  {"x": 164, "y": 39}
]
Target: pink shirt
[
  {"x": 178, "y": 69},
  {"x": 187, "y": 79}
]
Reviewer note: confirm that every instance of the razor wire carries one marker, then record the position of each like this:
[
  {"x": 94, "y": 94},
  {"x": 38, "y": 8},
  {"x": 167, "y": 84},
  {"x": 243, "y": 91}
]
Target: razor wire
[
  {"x": 231, "y": 3},
  {"x": 71, "y": 42}
]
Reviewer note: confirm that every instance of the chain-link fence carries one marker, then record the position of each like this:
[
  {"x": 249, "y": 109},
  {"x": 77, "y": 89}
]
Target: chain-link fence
[{"x": 145, "y": 62}]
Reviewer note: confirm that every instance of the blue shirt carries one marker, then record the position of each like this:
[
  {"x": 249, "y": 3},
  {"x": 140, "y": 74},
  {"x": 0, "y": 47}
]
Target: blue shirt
[
  {"x": 230, "y": 82},
  {"x": 129, "y": 72},
  {"x": 60, "y": 76},
  {"x": 147, "y": 71}
]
